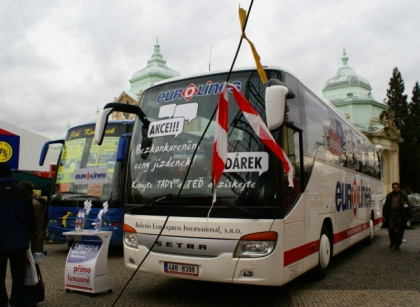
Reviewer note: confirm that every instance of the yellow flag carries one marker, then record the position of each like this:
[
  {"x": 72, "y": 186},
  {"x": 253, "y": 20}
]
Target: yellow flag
[
  {"x": 260, "y": 69},
  {"x": 242, "y": 17}
]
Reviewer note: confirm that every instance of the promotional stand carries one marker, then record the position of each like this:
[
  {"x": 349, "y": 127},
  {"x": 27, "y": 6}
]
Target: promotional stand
[{"x": 87, "y": 265}]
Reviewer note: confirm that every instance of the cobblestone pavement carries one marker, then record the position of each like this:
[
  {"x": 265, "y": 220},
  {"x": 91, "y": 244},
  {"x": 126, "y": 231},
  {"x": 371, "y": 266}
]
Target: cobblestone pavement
[{"x": 360, "y": 276}]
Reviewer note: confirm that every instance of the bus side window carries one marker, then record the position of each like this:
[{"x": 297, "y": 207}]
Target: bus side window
[
  {"x": 293, "y": 104},
  {"x": 291, "y": 147}
]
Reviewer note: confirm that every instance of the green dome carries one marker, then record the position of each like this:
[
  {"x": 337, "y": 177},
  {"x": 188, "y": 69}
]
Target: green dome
[
  {"x": 351, "y": 95},
  {"x": 156, "y": 70},
  {"x": 346, "y": 84}
]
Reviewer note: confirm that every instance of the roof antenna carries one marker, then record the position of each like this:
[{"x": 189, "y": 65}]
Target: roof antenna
[{"x": 210, "y": 58}]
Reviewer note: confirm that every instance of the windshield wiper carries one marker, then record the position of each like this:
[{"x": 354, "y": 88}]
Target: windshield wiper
[
  {"x": 153, "y": 201},
  {"x": 85, "y": 196},
  {"x": 244, "y": 210},
  {"x": 156, "y": 200}
]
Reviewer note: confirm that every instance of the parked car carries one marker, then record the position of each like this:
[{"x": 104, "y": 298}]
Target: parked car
[{"x": 415, "y": 206}]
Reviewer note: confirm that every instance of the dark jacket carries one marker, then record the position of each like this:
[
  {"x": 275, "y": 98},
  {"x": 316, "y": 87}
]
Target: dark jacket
[
  {"x": 17, "y": 220},
  {"x": 37, "y": 242},
  {"x": 406, "y": 212}
]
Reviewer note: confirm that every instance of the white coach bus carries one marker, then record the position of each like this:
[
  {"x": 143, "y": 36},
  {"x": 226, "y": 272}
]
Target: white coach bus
[{"x": 259, "y": 231}]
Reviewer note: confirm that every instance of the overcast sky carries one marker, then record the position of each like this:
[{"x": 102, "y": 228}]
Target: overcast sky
[{"x": 60, "y": 60}]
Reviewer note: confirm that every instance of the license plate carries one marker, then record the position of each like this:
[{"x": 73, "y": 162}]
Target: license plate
[{"x": 181, "y": 268}]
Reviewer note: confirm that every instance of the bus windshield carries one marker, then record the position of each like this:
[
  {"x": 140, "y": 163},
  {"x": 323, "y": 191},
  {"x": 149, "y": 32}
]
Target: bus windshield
[
  {"x": 162, "y": 152},
  {"x": 81, "y": 152}
]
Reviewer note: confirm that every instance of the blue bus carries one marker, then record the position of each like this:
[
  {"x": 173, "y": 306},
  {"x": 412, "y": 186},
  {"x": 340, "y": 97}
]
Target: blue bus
[{"x": 81, "y": 154}]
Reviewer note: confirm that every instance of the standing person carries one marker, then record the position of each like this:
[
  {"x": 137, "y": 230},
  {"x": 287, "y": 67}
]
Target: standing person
[
  {"x": 37, "y": 241},
  {"x": 396, "y": 210},
  {"x": 17, "y": 225}
]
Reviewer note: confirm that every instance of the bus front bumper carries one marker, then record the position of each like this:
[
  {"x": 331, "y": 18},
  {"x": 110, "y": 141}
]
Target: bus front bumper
[{"x": 223, "y": 268}]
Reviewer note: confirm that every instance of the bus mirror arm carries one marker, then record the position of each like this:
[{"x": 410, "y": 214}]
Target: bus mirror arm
[
  {"x": 276, "y": 94},
  {"x": 128, "y": 108},
  {"x": 102, "y": 118},
  {"x": 43, "y": 154},
  {"x": 45, "y": 148}
]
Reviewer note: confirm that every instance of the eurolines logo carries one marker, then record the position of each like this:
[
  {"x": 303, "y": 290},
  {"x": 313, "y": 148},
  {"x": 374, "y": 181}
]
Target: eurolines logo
[
  {"x": 194, "y": 91},
  {"x": 352, "y": 196},
  {"x": 90, "y": 176}
]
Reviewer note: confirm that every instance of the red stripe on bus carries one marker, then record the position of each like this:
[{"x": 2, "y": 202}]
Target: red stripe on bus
[
  {"x": 300, "y": 252},
  {"x": 308, "y": 249},
  {"x": 340, "y": 236},
  {"x": 378, "y": 220}
]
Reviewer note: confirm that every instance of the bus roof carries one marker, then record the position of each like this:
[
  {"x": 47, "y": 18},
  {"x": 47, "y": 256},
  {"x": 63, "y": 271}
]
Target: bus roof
[
  {"x": 216, "y": 72},
  {"x": 249, "y": 68}
]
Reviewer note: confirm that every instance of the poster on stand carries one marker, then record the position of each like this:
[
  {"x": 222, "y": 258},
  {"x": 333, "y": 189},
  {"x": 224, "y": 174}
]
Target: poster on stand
[{"x": 80, "y": 267}]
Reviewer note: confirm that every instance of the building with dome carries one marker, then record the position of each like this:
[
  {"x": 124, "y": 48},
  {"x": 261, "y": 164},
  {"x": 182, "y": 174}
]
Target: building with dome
[
  {"x": 156, "y": 70},
  {"x": 352, "y": 96}
]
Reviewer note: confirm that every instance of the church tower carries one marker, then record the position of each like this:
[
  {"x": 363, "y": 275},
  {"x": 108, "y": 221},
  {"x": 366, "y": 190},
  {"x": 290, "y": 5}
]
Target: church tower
[{"x": 156, "y": 70}]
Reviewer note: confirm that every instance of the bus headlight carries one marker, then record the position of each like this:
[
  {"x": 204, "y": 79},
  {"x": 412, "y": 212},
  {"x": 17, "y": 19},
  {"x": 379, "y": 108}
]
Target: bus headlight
[
  {"x": 130, "y": 236},
  {"x": 256, "y": 245}
]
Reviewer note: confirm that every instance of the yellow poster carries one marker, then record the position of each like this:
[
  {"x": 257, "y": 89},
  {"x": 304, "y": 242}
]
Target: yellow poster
[
  {"x": 70, "y": 159},
  {"x": 104, "y": 155}
]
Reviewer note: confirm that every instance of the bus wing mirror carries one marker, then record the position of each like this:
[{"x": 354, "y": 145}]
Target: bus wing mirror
[
  {"x": 276, "y": 94},
  {"x": 44, "y": 150},
  {"x": 122, "y": 147},
  {"x": 101, "y": 121}
]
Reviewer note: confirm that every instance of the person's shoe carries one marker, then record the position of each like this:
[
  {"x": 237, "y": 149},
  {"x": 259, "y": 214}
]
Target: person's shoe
[
  {"x": 391, "y": 246},
  {"x": 397, "y": 247}
]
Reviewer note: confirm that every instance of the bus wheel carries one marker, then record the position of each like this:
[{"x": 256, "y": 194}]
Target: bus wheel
[
  {"x": 320, "y": 270},
  {"x": 369, "y": 239}
]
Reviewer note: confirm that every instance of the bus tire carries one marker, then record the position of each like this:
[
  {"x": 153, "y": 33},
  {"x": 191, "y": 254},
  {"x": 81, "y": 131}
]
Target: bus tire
[
  {"x": 368, "y": 241},
  {"x": 324, "y": 255}
]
